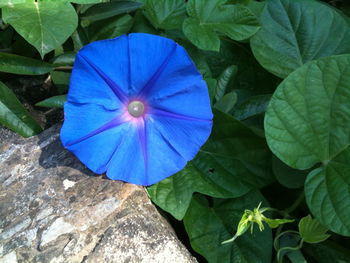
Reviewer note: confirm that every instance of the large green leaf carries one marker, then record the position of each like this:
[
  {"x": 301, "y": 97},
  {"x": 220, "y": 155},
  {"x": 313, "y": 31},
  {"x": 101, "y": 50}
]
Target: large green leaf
[
  {"x": 326, "y": 252},
  {"x": 174, "y": 194},
  {"x": 110, "y": 28},
  {"x": 308, "y": 122},
  {"x": 208, "y": 227},
  {"x": 22, "y": 65},
  {"x": 297, "y": 31},
  {"x": 11, "y": 2},
  {"x": 308, "y": 118},
  {"x": 288, "y": 176},
  {"x": 230, "y": 164},
  {"x": 84, "y": 2},
  {"x": 209, "y": 17},
  {"x": 165, "y": 14},
  {"x": 14, "y": 116},
  {"x": 327, "y": 191},
  {"x": 234, "y": 156},
  {"x": 107, "y": 10},
  {"x": 45, "y": 25}
]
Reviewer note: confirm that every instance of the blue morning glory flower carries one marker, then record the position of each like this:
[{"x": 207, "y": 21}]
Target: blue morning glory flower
[{"x": 137, "y": 108}]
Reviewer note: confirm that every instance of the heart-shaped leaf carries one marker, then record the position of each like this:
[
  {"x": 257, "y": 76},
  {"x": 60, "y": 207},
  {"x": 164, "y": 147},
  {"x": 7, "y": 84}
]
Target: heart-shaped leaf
[
  {"x": 208, "y": 17},
  {"x": 44, "y": 24},
  {"x": 297, "y": 31},
  {"x": 307, "y": 123}
]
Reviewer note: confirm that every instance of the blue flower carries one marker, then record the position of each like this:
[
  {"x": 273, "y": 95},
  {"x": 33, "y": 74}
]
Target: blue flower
[{"x": 137, "y": 108}]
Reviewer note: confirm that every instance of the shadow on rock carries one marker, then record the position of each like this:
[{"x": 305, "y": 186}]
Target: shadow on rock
[{"x": 53, "y": 154}]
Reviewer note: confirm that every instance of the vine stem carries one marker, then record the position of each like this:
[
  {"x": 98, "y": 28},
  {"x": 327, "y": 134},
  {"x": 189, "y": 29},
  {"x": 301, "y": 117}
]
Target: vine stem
[
  {"x": 296, "y": 257},
  {"x": 286, "y": 212},
  {"x": 296, "y": 203}
]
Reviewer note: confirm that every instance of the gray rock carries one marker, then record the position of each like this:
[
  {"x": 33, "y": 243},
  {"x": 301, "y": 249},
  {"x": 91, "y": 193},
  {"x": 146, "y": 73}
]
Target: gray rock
[{"x": 52, "y": 209}]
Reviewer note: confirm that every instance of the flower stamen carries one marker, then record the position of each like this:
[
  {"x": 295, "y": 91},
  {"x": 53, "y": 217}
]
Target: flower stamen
[{"x": 136, "y": 108}]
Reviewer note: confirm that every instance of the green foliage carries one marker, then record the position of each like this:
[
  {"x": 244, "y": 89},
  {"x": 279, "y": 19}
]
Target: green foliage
[
  {"x": 15, "y": 64},
  {"x": 296, "y": 31},
  {"x": 53, "y": 102},
  {"x": 107, "y": 10},
  {"x": 278, "y": 76},
  {"x": 208, "y": 227},
  {"x": 166, "y": 14},
  {"x": 14, "y": 116},
  {"x": 221, "y": 169},
  {"x": 209, "y": 17},
  {"x": 44, "y": 24},
  {"x": 311, "y": 231},
  {"x": 308, "y": 122}
]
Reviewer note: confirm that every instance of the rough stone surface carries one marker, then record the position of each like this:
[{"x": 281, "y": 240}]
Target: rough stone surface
[{"x": 52, "y": 209}]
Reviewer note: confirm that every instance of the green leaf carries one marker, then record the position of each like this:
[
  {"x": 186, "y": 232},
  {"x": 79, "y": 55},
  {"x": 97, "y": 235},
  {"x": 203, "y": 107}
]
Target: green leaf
[
  {"x": 308, "y": 118},
  {"x": 234, "y": 157},
  {"x": 223, "y": 81},
  {"x": 22, "y": 65},
  {"x": 11, "y": 2},
  {"x": 312, "y": 231},
  {"x": 110, "y": 28},
  {"x": 253, "y": 106},
  {"x": 107, "y": 10},
  {"x": 297, "y": 31},
  {"x": 273, "y": 223},
  {"x": 211, "y": 83},
  {"x": 207, "y": 18},
  {"x": 166, "y": 14},
  {"x": 230, "y": 164},
  {"x": 174, "y": 193},
  {"x": 308, "y": 122},
  {"x": 84, "y": 2},
  {"x": 250, "y": 76},
  {"x": 45, "y": 25},
  {"x": 14, "y": 116},
  {"x": 79, "y": 38},
  {"x": 327, "y": 192},
  {"x": 142, "y": 25},
  {"x": 208, "y": 226},
  {"x": 61, "y": 81},
  {"x": 288, "y": 176},
  {"x": 227, "y": 102},
  {"x": 53, "y": 102},
  {"x": 201, "y": 36},
  {"x": 326, "y": 252},
  {"x": 66, "y": 59}
]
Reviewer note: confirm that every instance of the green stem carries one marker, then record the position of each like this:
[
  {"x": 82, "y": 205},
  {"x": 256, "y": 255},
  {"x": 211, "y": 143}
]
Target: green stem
[
  {"x": 286, "y": 212},
  {"x": 296, "y": 203},
  {"x": 296, "y": 257}
]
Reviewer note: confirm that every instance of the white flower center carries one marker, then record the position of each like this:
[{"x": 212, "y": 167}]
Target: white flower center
[{"x": 136, "y": 108}]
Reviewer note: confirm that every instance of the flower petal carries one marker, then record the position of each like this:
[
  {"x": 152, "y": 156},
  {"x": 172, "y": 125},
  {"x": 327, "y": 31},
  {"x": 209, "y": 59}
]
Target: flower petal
[
  {"x": 149, "y": 55},
  {"x": 181, "y": 89},
  {"x": 186, "y": 136},
  {"x": 86, "y": 134},
  {"x": 132, "y": 165},
  {"x": 128, "y": 163},
  {"x": 101, "y": 73}
]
